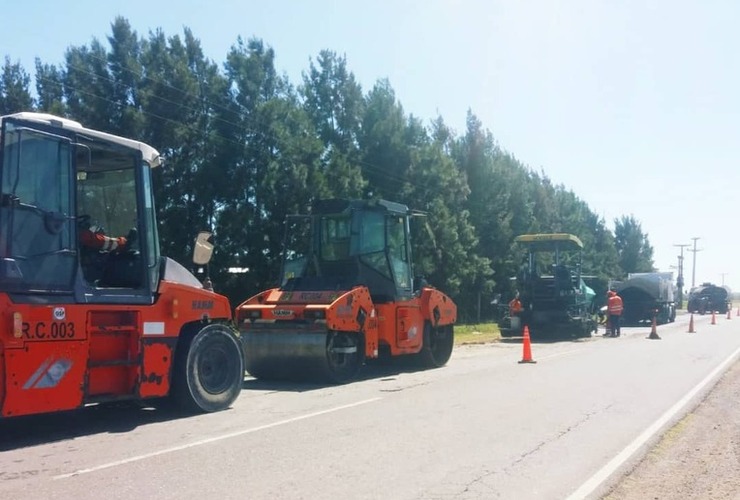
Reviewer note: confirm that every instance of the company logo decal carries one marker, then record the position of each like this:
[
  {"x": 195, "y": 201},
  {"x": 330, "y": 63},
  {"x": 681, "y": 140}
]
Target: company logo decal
[{"x": 48, "y": 374}]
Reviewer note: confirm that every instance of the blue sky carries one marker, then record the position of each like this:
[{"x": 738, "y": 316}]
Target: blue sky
[{"x": 633, "y": 105}]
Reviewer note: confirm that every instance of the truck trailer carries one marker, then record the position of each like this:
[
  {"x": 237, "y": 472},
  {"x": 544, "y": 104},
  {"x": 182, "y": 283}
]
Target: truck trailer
[{"x": 647, "y": 295}]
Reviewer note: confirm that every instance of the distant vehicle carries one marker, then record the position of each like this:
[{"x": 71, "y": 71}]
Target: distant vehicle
[
  {"x": 556, "y": 301},
  {"x": 645, "y": 295},
  {"x": 708, "y": 298}
]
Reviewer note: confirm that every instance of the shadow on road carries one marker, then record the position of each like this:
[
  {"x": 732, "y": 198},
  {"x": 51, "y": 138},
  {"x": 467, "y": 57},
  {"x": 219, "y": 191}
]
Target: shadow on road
[
  {"x": 373, "y": 369},
  {"x": 20, "y": 432}
]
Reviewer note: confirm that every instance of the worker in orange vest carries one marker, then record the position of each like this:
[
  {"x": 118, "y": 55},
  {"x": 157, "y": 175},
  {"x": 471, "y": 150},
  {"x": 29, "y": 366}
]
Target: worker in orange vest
[
  {"x": 101, "y": 242},
  {"x": 515, "y": 306},
  {"x": 93, "y": 238},
  {"x": 614, "y": 308}
]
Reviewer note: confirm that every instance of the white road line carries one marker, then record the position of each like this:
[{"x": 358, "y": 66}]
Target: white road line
[
  {"x": 595, "y": 481},
  {"x": 212, "y": 439}
]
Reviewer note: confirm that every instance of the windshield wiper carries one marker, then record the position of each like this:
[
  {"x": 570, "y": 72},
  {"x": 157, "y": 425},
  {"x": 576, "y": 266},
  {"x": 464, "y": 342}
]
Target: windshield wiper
[{"x": 53, "y": 221}]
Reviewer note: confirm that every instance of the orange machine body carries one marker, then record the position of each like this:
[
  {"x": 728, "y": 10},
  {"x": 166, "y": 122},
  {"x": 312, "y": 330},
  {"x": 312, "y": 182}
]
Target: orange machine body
[
  {"x": 81, "y": 324},
  {"x": 397, "y": 325},
  {"x": 64, "y": 356},
  {"x": 347, "y": 294}
]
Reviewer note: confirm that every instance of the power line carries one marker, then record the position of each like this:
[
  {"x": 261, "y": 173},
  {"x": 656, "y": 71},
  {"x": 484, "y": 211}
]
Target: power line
[
  {"x": 679, "y": 281},
  {"x": 693, "y": 265},
  {"x": 199, "y": 98},
  {"x": 369, "y": 167}
]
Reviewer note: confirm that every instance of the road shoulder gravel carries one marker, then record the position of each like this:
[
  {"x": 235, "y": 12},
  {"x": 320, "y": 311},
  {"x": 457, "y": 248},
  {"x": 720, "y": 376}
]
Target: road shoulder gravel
[{"x": 698, "y": 458}]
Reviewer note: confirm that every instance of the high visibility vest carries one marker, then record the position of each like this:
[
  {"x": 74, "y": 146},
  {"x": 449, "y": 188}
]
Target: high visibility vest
[
  {"x": 101, "y": 242},
  {"x": 614, "y": 305},
  {"x": 515, "y": 307}
]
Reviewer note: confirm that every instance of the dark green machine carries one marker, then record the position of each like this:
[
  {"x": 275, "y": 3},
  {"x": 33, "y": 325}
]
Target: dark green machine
[
  {"x": 708, "y": 298},
  {"x": 556, "y": 301}
]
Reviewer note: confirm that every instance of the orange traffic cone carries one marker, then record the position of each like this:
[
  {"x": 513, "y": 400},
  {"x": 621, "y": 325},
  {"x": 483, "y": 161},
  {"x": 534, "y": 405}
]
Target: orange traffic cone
[
  {"x": 654, "y": 331},
  {"x": 714, "y": 321},
  {"x": 527, "y": 348},
  {"x": 691, "y": 324}
]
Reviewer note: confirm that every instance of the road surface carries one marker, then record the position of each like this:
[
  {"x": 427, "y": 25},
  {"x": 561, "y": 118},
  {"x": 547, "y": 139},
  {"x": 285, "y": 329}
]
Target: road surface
[{"x": 574, "y": 425}]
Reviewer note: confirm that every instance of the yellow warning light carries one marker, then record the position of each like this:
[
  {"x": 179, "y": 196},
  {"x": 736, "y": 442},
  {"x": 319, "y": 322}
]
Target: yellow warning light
[
  {"x": 17, "y": 325},
  {"x": 174, "y": 308}
]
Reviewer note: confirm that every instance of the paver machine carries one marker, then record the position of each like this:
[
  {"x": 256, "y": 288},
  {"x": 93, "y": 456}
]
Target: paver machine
[
  {"x": 346, "y": 294},
  {"x": 82, "y": 325},
  {"x": 555, "y": 299}
]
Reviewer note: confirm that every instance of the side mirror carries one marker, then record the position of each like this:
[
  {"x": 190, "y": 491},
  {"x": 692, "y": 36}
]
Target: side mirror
[{"x": 203, "y": 249}]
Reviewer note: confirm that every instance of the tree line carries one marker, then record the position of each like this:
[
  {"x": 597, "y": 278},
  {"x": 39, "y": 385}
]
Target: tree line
[{"x": 244, "y": 147}]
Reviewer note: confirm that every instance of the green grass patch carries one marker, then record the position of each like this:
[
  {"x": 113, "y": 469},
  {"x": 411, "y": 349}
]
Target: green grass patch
[{"x": 481, "y": 333}]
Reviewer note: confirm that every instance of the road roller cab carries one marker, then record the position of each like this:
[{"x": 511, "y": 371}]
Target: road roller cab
[
  {"x": 346, "y": 294},
  {"x": 89, "y": 316}
]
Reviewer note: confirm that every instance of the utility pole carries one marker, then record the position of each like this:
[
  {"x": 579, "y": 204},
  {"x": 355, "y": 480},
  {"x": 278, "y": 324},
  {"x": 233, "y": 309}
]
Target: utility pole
[
  {"x": 693, "y": 265},
  {"x": 679, "y": 281},
  {"x": 723, "y": 277}
]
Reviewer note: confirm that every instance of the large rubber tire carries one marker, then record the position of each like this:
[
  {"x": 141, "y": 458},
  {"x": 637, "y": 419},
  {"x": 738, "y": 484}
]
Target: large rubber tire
[
  {"x": 438, "y": 344},
  {"x": 587, "y": 327},
  {"x": 208, "y": 376},
  {"x": 345, "y": 355}
]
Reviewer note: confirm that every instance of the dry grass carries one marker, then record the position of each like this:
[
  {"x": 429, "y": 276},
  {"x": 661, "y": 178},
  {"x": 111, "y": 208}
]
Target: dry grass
[{"x": 476, "y": 334}]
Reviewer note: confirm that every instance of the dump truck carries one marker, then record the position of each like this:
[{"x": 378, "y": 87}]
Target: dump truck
[
  {"x": 84, "y": 326},
  {"x": 647, "y": 295},
  {"x": 556, "y": 302},
  {"x": 346, "y": 294},
  {"x": 708, "y": 298}
]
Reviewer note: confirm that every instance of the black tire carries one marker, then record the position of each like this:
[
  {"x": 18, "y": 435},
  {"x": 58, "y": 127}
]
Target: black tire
[
  {"x": 587, "y": 327},
  {"x": 345, "y": 355},
  {"x": 209, "y": 375},
  {"x": 438, "y": 344}
]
